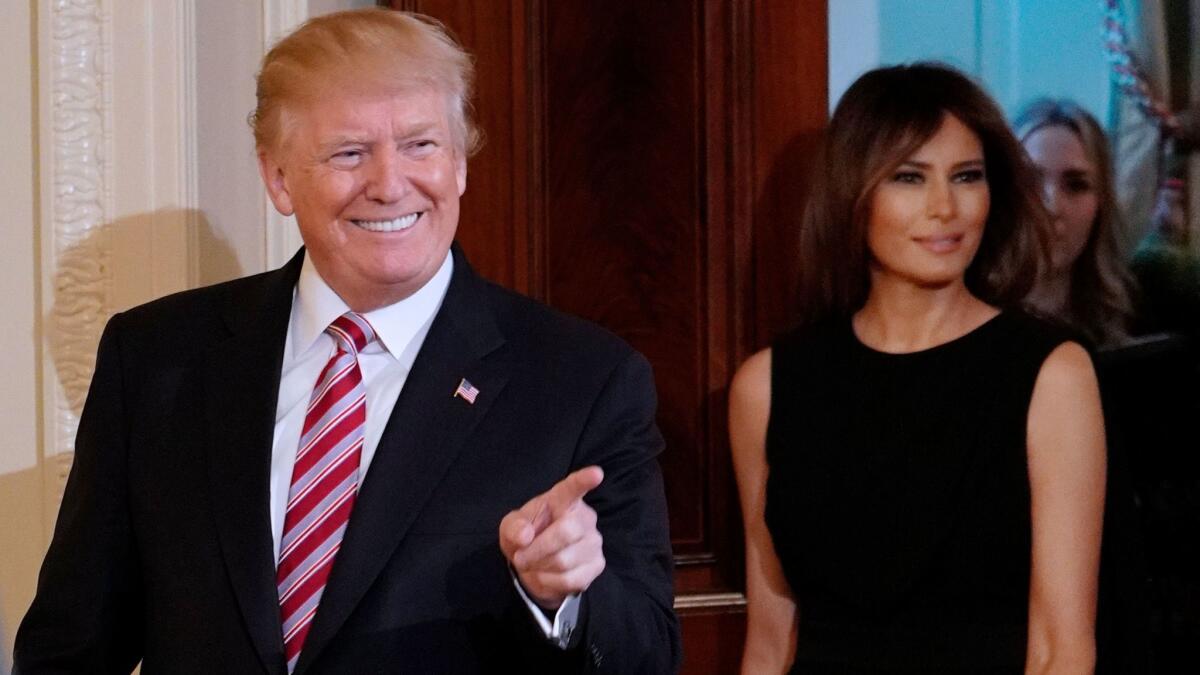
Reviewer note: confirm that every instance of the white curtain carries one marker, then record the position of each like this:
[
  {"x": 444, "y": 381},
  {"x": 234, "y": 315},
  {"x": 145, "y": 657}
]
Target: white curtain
[
  {"x": 1136, "y": 138},
  {"x": 1137, "y": 141}
]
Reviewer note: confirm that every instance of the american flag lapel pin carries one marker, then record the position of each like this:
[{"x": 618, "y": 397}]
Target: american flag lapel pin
[{"x": 466, "y": 391}]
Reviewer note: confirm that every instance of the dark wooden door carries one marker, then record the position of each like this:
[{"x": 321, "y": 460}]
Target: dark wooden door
[{"x": 645, "y": 168}]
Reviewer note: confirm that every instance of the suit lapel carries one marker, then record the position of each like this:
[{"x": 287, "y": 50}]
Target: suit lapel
[
  {"x": 241, "y": 389},
  {"x": 424, "y": 434}
]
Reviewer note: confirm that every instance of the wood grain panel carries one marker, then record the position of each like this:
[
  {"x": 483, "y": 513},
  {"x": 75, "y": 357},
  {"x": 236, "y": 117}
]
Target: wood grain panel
[
  {"x": 500, "y": 223},
  {"x": 624, "y": 222},
  {"x": 726, "y": 231},
  {"x": 646, "y": 168},
  {"x": 790, "y": 76},
  {"x": 713, "y": 637}
]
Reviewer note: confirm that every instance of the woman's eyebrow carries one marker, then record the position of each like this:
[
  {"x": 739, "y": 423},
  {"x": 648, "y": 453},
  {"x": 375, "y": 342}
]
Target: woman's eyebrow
[{"x": 918, "y": 164}]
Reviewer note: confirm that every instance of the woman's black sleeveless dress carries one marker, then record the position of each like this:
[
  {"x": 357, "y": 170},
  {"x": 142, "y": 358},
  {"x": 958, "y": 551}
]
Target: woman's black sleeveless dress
[{"x": 898, "y": 497}]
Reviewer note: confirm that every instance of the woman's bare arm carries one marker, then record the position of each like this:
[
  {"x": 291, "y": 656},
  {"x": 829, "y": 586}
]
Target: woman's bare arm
[
  {"x": 1066, "y": 453},
  {"x": 771, "y": 611}
]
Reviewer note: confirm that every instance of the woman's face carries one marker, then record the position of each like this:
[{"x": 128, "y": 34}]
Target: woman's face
[
  {"x": 1069, "y": 188},
  {"x": 927, "y": 217}
]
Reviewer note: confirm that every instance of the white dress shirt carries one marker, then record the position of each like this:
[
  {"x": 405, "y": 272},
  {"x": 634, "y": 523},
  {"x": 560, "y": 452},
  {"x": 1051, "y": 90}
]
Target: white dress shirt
[{"x": 401, "y": 329}]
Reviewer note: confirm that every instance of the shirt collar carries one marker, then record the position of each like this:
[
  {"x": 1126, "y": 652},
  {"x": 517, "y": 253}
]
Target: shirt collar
[{"x": 317, "y": 305}]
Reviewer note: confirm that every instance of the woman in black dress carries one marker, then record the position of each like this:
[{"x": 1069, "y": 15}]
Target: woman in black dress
[
  {"x": 921, "y": 464},
  {"x": 1150, "y": 575}
]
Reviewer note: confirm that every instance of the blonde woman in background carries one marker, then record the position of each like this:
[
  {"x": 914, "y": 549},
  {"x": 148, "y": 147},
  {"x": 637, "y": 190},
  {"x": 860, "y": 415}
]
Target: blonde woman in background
[{"x": 1088, "y": 284}]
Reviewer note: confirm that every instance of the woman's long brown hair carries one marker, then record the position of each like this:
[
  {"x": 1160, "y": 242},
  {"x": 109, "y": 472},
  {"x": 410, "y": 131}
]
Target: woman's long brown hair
[{"x": 885, "y": 116}]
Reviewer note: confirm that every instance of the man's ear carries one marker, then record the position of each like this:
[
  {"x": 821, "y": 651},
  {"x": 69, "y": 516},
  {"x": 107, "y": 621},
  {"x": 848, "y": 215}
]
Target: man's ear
[
  {"x": 460, "y": 174},
  {"x": 272, "y": 176}
]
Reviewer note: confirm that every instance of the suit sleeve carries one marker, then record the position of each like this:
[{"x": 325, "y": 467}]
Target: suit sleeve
[
  {"x": 627, "y": 621},
  {"x": 86, "y": 616}
]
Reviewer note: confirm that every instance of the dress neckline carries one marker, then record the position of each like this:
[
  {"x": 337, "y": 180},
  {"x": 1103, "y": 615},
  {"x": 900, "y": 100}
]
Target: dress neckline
[{"x": 950, "y": 345}]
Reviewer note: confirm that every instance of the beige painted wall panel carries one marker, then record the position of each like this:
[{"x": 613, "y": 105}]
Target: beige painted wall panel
[
  {"x": 152, "y": 205},
  {"x": 21, "y": 535},
  {"x": 230, "y": 230}
]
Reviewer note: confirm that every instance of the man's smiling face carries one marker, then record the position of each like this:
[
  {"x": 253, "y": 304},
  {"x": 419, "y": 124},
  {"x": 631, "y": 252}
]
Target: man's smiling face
[{"x": 374, "y": 181}]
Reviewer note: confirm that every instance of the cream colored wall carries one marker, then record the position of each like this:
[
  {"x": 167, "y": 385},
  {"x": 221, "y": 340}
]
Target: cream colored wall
[
  {"x": 21, "y": 531},
  {"x": 127, "y": 172},
  {"x": 316, "y": 7},
  {"x": 232, "y": 230}
]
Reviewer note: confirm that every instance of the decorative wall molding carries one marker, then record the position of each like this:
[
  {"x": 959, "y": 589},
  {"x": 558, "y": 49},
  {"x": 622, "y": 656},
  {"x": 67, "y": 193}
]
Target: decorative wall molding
[
  {"x": 280, "y": 17},
  {"x": 177, "y": 194},
  {"x": 77, "y": 202},
  {"x": 117, "y": 160},
  {"x": 703, "y": 601}
]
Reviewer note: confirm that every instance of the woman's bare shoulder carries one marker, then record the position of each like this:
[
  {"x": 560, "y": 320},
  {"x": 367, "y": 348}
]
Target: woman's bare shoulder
[
  {"x": 750, "y": 408},
  {"x": 752, "y": 381}
]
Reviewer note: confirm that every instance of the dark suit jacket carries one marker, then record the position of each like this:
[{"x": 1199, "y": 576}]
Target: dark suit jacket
[{"x": 163, "y": 552}]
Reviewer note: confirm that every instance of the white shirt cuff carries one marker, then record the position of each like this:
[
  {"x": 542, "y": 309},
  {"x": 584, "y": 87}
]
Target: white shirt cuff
[{"x": 565, "y": 619}]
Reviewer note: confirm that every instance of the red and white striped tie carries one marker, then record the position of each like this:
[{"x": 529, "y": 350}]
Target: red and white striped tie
[{"x": 324, "y": 482}]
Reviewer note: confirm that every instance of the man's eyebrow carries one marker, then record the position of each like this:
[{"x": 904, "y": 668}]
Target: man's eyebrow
[
  {"x": 416, "y": 129},
  {"x": 342, "y": 141}
]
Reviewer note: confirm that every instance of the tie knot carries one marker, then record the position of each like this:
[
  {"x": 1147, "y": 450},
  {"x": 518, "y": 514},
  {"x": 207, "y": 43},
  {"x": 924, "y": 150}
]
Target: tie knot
[{"x": 352, "y": 332}]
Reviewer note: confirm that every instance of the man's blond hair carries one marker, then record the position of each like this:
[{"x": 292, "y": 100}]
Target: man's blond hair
[{"x": 371, "y": 48}]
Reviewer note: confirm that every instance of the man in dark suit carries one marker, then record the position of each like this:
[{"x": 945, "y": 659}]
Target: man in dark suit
[{"x": 470, "y": 486}]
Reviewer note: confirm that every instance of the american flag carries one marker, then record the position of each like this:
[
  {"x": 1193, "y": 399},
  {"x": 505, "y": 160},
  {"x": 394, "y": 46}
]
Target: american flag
[{"x": 467, "y": 391}]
